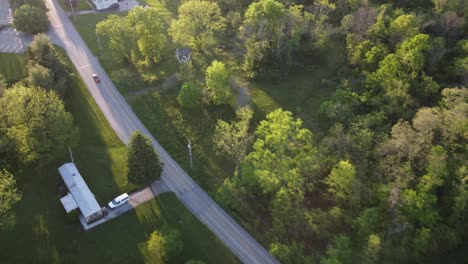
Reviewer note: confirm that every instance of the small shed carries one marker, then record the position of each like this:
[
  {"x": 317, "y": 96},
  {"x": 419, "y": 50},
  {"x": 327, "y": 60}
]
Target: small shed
[
  {"x": 79, "y": 196},
  {"x": 183, "y": 55}
]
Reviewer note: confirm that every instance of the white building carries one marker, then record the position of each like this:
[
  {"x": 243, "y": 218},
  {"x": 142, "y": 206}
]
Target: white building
[
  {"x": 103, "y": 4},
  {"x": 79, "y": 195},
  {"x": 183, "y": 55}
]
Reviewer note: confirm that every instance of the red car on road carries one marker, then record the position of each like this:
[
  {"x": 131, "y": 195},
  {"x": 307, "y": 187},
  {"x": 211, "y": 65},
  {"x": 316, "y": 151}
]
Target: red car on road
[{"x": 96, "y": 78}]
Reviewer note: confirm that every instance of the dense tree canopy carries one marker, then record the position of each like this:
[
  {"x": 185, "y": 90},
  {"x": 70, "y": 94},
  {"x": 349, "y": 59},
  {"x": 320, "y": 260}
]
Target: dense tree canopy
[
  {"x": 157, "y": 247},
  {"x": 272, "y": 32},
  {"x": 217, "y": 90},
  {"x": 30, "y": 19},
  {"x": 122, "y": 37},
  {"x": 9, "y": 197},
  {"x": 233, "y": 138},
  {"x": 283, "y": 153},
  {"x": 35, "y": 124},
  {"x": 137, "y": 37},
  {"x": 189, "y": 95},
  {"x": 39, "y": 76},
  {"x": 196, "y": 24},
  {"x": 149, "y": 30},
  {"x": 392, "y": 173},
  {"x": 143, "y": 163},
  {"x": 164, "y": 245},
  {"x": 47, "y": 68},
  {"x": 3, "y": 85}
]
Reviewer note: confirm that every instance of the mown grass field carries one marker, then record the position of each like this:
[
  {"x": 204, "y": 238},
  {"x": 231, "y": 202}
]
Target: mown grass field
[
  {"x": 45, "y": 234},
  {"x": 12, "y": 66},
  {"x": 81, "y": 5}
]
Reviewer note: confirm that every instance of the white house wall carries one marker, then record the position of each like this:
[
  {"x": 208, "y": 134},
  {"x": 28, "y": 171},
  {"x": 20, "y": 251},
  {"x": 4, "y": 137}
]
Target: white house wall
[{"x": 103, "y": 4}]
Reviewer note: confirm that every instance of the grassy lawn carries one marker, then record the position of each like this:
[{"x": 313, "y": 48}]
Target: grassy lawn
[
  {"x": 165, "y": 7},
  {"x": 303, "y": 91},
  {"x": 45, "y": 234},
  {"x": 82, "y": 5},
  {"x": 12, "y": 66}
]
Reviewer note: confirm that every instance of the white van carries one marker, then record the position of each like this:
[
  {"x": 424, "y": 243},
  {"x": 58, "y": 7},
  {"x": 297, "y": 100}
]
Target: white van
[{"x": 119, "y": 200}]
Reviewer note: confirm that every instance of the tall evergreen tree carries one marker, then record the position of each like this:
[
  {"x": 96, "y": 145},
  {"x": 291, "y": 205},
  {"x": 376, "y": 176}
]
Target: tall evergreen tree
[{"x": 143, "y": 163}]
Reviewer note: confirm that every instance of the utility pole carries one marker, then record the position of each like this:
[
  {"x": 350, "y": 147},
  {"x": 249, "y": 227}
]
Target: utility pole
[
  {"x": 189, "y": 146},
  {"x": 71, "y": 155},
  {"x": 73, "y": 11},
  {"x": 99, "y": 42}
]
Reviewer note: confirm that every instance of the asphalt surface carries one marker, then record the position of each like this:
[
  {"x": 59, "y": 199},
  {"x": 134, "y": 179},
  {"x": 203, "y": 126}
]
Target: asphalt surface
[
  {"x": 6, "y": 16},
  {"x": 124, "y": 122}
]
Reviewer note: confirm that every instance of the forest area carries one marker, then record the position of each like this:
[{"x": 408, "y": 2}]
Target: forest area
[
  {"x": 381, "y": 176},
  {"x": 387, "y": 182}
]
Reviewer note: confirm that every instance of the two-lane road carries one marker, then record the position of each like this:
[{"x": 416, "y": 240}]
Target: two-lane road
[{"x": 125, "y": 122}]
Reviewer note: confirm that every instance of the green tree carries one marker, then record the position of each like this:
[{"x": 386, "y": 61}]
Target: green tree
[
  {"x": 460, "y": 198},
  {"x": 149, "y": 29},
  {"x": 122, "y": 37},
  {"x": 402, "y": 78},
  {"x": 36, "y": 123},
  {"x": 42, "y": 52},
  {"x": 196, "y": 24},
  {"x": 454, "y": 119},
  {"x": 233, "y": 138},
  {"x": 39, "y": 76},
  {"x": 189, "y": 95},
  {"x": 459, "y": 67},
  {"x": 287, "y": 209},
  {"x": 217, "y": 88},
  {"x": 459, "y": 6},
  {"x": 368, "y": 222},
  {"x": 30, "y": 19},
  {"x": 157, "y": 247},
  {"x": 143, "y": 163},
  {"x": 339, "y": 252},
  {"x": 271, "y": 32},
  {"x": 402, "y": 27},
  {"x": 320, "y": 28},
  {"x": 371, "y": 253},
  {"x": 37, "y": 3},
  {"x": 186, "y": 71},
  {"x": 343, "y": 184},
  {"x": 283, "y": 152},
  {"x": 289, "y": 253},
  {"x": 324, "y": 224},
  {"x": 9, "y": 197},
  {"x": 3, "y": 85}
]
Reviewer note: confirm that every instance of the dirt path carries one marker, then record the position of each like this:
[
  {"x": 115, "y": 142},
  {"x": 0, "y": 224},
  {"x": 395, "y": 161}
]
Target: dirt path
[
  {"x": 147, "y": 193},
  {"x": 243, "y": 93},
  {"x": 169, "y": 83}
]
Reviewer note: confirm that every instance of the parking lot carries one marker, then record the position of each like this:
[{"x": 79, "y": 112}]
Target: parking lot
[{"x": 12, "y": 41}]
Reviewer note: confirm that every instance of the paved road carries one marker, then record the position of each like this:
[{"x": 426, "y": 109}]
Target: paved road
[
  {"x": 6, "y": 16},
  {"x": 124, "y": 122}
]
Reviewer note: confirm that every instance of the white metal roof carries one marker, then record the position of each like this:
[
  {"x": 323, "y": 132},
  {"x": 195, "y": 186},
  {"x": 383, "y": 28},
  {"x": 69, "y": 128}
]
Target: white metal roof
[
  {"x": 83, "y": 197},
  {"x": 69, "y": 202}
]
